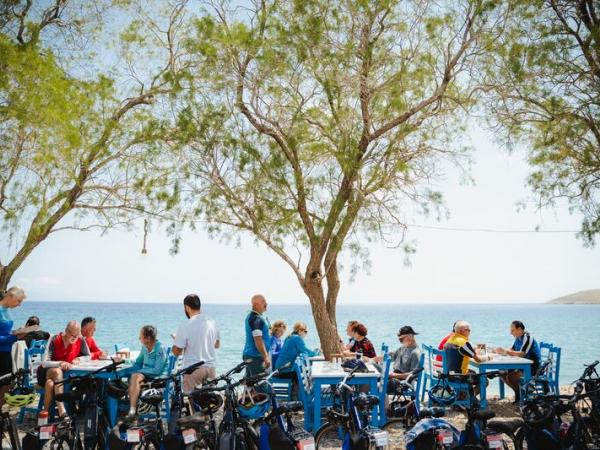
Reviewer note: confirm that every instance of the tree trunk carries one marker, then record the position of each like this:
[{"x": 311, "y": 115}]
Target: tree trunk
[
  {"x": 326, "y": 328},
  {"x": 4, "y": 278}
]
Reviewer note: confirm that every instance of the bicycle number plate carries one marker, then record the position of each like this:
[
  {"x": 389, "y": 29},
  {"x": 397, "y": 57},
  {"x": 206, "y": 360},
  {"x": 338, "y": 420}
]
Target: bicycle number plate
[
  {"x": 495, "y": 441},
  {"x": 189, "y": 436},
  {"x": 47, "y": 432},
  {"x": 445, "y": 437},
  {"x": 381, "y": 438},
  {"x": 134, "y": 435},
  {"x": 306, "y": 444}
]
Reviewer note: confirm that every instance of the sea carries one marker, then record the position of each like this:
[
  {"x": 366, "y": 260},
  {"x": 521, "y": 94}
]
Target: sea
[{"x": 573, "y": 328}]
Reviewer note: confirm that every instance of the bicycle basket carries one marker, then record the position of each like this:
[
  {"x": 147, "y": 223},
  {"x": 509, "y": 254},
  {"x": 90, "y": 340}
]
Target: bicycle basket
[
  {"x": 253, "y": 405},
  {"x": 442, "y": 394}
]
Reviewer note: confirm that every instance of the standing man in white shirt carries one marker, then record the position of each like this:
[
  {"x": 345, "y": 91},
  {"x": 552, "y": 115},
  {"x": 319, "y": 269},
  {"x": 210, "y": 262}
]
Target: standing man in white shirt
[{"x": 197, "y": 339}]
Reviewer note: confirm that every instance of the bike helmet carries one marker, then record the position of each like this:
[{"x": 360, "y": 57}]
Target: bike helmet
[
  {"x": 147, "y": 400},
  {"x": 538, "y": 411},
  {"x": 253, "y": 405},
  {"x": 442, "y": 394},
  {"x": 208, "y": 402},
  {"x": 19, "y": 397}
]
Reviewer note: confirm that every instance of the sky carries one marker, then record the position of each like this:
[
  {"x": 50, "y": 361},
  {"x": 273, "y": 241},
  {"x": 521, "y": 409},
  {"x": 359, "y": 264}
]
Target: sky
[{"x": 448, "y": 267}]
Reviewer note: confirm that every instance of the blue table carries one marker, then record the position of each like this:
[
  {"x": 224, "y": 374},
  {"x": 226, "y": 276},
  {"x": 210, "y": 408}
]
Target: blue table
[
  {"x": 500, "y": 362},
  {"x": 112, "y": 404},
  {"x": 326, "y": 373}
]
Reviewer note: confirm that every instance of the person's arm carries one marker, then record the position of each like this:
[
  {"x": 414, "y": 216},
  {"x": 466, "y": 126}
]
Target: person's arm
[
  {"x": 180, "y": 341},
  {"x": 139, "y": 362},
  {"x": 303, "y": 349},
  {"x": 159, "y": 364},
  {"x": 525, "y": 348},
  {"x": 260, "y": 345},
  {"x": 469, "y": 351},
  {"x": 95, "y": 351}
]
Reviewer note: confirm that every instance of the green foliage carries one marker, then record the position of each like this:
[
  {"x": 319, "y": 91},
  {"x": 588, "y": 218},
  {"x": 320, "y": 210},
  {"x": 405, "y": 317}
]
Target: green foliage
[
  {"x": 546, "y": 73},
  {"x": 307, "y": 123}
]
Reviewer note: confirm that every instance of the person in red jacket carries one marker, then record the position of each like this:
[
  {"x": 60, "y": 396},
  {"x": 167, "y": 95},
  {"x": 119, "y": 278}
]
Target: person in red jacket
[
  {"x": 65, "y": 350},
  {"x": 88, "y": 328},
  {"x": 438, "y": 363}
]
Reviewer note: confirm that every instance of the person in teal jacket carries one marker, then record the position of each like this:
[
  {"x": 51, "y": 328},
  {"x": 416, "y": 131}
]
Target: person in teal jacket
[
  {"x": 151, "y": 363},
  {"x": 8, "y": 300},
  {"x": 293, "y": 346}
]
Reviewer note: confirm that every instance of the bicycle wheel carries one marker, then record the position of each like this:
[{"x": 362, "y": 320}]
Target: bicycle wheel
[
  {"x": 330, "y": 437},
  {"x": 396, "y": 429}
]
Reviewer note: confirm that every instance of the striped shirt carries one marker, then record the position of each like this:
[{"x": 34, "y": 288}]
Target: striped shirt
[{"x": 527, "y": 345}]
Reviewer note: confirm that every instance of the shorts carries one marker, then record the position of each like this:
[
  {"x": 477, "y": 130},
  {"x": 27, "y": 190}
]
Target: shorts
[
  {"x": 5, "y": 363},
  {"x": 198, "y": 377}
]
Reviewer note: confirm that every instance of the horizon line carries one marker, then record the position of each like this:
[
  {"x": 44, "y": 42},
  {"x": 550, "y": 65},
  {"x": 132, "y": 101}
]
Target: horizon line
[{"x": 413, "y": 303}]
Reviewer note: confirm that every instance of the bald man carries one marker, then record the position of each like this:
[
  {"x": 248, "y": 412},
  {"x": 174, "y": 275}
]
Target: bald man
[
  {"x": 258, "y": 339},
  {"x": 64, "y": 351}
]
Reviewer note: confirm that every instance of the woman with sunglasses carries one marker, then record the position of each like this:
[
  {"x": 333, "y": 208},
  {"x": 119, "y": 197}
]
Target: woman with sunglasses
[{"x": 293, "y": 346}]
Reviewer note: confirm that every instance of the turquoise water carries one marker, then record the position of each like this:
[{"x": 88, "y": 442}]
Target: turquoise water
[{"x": 575, "y": 328}]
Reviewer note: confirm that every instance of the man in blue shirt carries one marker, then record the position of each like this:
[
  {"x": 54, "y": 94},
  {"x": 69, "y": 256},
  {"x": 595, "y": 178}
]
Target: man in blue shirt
[
  {"x": 258, "y": 340},
  {"x": 524, "y": 346}
]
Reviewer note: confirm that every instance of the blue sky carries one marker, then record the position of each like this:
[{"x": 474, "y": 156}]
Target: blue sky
[{"x": 449, "y": 266}]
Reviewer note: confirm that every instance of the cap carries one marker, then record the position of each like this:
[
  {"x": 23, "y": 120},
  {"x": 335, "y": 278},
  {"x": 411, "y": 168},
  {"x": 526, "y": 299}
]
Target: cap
[{"x": 406, "y": 329}]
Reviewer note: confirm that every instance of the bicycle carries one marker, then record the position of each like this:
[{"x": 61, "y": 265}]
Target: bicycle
[
  {"x": 281, "y": 431},
  {"x": 481, "y": 430},
  {"x": 545, "y": 428},
  {"x": 404, "y": 412},
  {"x": 347, "y": 422},
  {"x": 88, "y": 406},
  {"x": 150, "y": 433},
  {"x": 8, "y": 428}
]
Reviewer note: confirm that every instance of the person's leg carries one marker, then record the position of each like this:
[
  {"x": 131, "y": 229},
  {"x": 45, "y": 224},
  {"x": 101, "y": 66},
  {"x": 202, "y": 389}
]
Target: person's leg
[
  {"x": 50, "y": 389},
  {"x": 135, "y": 382},
  {"x": 513, "y": 379},
  {"x": 254, "y": 367}
]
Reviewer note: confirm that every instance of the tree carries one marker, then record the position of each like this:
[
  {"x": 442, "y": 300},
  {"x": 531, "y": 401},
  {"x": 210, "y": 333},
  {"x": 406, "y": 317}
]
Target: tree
[
  {"x": 545, "y": 84},
  {"x": 76, "y": 144},
  {"x": 310, "y": 123}
]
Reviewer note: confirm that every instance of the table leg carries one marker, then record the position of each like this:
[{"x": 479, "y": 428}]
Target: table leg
[
  {"x": 317, "y": 406},
  {"x": 112, "y": 406},
  {"x": 527, "y": 376},
  {"x": 501, "y": 387},
  {"x": 482, "y": 387}
]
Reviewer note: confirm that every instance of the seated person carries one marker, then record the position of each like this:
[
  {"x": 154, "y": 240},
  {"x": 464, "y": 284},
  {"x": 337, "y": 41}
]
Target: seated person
[
  {"x": 88, "y": 328},
  {"x": 151, "y": 363},
  {"x": 459, "y": 351},
  {"x": 34, "y": 333},
  {"x": 350, "y": 335},
  {"x": 438, "y": 363},
  {"x": 293, "y": 346},
  {"x": 361, "y": 343},
  {"x": 64, "y": 351},
  {"x": 277, "y": 330},
  {"x": 404, "y": 360},
  {"x": 524, "y": 346}
]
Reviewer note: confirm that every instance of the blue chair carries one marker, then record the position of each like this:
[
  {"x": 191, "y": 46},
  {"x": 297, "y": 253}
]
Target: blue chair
[
  {"x": 430, "y": 368},
  {"x": 383, "y": 385},
  {"x": 172, "y": 364},
  {"x": 282, "y": 388},
  {"x": 553, "y": 353},
  {"x": 461, "y": 389},
  {"x": 35, "y": 351},
  {"x": 305, "y": 394}
]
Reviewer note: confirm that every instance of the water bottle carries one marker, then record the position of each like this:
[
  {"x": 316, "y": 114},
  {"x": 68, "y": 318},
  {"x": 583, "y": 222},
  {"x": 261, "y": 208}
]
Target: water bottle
[{"x": 43, "y": 418}]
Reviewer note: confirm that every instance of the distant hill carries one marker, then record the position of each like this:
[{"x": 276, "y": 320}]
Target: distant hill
[{"x": 591, "y": 296}]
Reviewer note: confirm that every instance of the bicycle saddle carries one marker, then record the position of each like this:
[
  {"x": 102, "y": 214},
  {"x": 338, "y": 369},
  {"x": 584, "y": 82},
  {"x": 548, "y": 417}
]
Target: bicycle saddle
[
  {"x": 190, "y": 421},
  {"x": 289, "y": 407},
  {"x": 432, "y": 412},
  {"x": 508, "y": 426},
  {"x": 484, "y": 414},
  {"x": 70, "y": 396},
  {"x": 366, "y": 401}
]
